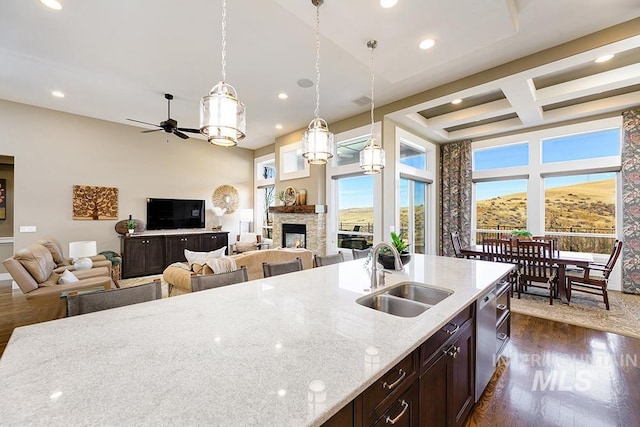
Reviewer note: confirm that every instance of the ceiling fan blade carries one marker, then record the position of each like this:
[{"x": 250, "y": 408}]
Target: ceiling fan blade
[
  {"x": 190, "y": 130},
  {"x": 151, "y": 130},
  {"x": 146, "y": 123},
  {"x": 180, "y": 134}
]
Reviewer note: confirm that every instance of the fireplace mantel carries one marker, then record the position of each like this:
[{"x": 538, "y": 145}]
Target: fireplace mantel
[{"x": 309, "y": 209}]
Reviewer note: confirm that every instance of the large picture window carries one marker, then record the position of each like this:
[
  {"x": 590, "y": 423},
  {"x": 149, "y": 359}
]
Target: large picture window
[{"x": 561, "y": 182}]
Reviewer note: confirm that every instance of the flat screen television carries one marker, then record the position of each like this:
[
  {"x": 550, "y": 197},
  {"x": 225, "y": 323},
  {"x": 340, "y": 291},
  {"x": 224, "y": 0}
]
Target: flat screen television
[{"x": 171, "y": 214}]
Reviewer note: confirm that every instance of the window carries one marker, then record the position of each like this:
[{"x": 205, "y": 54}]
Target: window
[
  {"x": 412, "y": 155},
  {"x": 501, "y": 157},
  {"x": 348, "y": 152},
  {"x": 581, "y": 204},
  {"x": 265, "y": 176},
  {"x": 292, "y": 164},
  {"x": 562, "y": 182},
  {"x": 500, "y": 206},
  {"x": 413, "y": 195},
  {"x": 355, "y": 212}
]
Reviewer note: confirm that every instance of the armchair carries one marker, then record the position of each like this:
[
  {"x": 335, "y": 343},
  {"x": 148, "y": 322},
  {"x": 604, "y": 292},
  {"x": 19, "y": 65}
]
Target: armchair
[
  {"x": 33, "y": 269},
  {"x": 247, "y": 242}
]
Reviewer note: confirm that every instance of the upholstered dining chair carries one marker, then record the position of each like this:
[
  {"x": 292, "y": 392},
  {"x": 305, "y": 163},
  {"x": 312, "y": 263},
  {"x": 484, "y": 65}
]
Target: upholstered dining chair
[
  {"x": 322, "y": 260},
  {"x": 82, "y": 303},
  {"x": 276, "y": 268},
  {"x": 595, "y": 277},
  {"x": 535, "y": 267},
  {"x": 360, "y": 253},
  {"x": 210, "y": 281}
]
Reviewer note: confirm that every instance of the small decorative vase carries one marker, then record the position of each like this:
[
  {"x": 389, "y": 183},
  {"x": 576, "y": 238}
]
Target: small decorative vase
[
  {"x": 217, "y": 223},
  {"x": 131, "y": 230}
]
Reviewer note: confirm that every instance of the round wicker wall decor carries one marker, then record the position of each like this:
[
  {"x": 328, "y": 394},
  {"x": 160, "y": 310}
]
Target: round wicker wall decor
[{"x": 226, "y": 197}]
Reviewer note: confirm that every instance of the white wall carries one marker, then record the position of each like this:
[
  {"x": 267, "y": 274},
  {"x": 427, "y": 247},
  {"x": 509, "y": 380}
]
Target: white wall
[{"x": 54, "y": 151}]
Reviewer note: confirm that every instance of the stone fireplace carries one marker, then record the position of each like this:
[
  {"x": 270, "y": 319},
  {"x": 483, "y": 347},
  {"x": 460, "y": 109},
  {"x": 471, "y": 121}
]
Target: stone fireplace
[{"x": 310, "y": 218}]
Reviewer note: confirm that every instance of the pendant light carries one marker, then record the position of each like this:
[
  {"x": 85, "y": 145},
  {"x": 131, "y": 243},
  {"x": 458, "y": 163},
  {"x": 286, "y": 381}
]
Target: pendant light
[
  {"x": 317, "y": 141},
  {"x": 222, "y": 115},
  {"x": 372, "y": 156}
]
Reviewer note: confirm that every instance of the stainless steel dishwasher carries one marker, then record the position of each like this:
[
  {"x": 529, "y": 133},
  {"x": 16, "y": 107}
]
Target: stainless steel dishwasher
[{"x": 485, "y": 339}]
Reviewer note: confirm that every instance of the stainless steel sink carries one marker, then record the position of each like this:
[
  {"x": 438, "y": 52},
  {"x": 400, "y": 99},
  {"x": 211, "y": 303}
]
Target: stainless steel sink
[
  {"x": 419, "y": 292},
  {"x": 406, "y": 299},
  {"x": 393, "y": 305}
]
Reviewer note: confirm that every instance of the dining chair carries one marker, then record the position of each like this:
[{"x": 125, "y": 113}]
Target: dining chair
[
  {"x": 500, "y": 250},
  {"x": 535, "y": 267},
  {"x": 595, "y": 277},
  {"x": 457, "y": 246},
  {"x": 322, "y": 260},
  {"x": 83, "y": 303},
  {"x": 276, "y": 268},
  {"x": 555, "y": 248},
  {"x": 210, "y": 281},
  {"x": 360, "y": 253}
]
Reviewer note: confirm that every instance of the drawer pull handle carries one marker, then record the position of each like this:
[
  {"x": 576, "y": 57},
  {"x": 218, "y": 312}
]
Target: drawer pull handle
[
  {"x": 405, "y": 406},
  {"x": 502, "y": 336},
  {"x": 454, "y": 330},
  {"x": 396, "y": 382},
  {"x": 502, "y": 306}
]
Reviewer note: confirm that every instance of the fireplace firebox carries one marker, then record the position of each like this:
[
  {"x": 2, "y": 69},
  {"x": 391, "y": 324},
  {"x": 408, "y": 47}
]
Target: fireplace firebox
[{"x": 294, "y": 236}]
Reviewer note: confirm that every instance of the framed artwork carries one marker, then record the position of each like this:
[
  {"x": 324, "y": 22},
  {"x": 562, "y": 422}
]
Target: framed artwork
[
  {"x": 292, "y": 164},
  {"x": 3, "y": 199},
  {"x": 95, "y": 202}
]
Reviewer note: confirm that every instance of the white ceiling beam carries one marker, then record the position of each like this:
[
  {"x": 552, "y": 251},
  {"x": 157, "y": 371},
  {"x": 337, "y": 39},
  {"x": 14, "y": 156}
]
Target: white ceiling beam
[
  {"x": 521, "y": 95},
  {"x": 471, "y": 114}
]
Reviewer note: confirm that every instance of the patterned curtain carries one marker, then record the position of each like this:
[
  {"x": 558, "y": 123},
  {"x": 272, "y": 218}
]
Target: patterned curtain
[
  {"x": 631, "y": 202},
  {"x": 455, "y": 213}
]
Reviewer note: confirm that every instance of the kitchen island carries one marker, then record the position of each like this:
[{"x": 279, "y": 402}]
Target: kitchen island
[{"x": 289, "y": 350}]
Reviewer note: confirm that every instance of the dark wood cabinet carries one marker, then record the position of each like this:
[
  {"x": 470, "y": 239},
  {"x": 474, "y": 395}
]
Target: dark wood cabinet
[
  {"x": 447, "y": 384},
  {"x": 213, "y": 241},
  {"x": 145, "y": 255},
  {"x": 503, "y": 316},
  {"x": 142, "y": 256},
  {"x": 175, "y": 246},
  {"x": 403, "y": 411}
]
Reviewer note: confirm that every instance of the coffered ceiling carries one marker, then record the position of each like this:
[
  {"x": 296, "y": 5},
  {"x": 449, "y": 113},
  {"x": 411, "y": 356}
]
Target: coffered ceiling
[{"x": 115, "y": 60}]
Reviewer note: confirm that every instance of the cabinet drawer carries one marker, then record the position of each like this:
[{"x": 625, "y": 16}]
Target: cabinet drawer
[
  {"x": 429, "y": 349},
  {"x": 404, "y": 411},
  {"x": 503, "y": 334},
  {"x": 388, "y": 387}
]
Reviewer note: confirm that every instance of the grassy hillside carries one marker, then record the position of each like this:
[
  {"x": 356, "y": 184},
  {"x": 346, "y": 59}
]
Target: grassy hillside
[{"x": 586, "y": 206}]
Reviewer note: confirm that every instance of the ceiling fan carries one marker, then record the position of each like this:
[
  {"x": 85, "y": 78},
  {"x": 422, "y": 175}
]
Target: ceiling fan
[{"x": 169, "y": 125}]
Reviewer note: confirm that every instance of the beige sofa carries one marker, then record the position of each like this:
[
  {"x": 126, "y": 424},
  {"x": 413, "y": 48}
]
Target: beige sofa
[
  {"x": 178, "y": 275},
  {"x": 36, "y": 274}
]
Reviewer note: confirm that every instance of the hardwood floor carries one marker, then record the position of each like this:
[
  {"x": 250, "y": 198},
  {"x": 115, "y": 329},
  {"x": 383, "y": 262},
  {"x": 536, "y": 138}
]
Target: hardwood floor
[{"x": 555, "y": 374}]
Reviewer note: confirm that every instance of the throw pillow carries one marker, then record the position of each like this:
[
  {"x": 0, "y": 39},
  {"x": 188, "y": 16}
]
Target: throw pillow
[
  {"x": 221, "y": 265},
  {"x": 201, "y": 257},
  {"x": 67, "y": 277}
]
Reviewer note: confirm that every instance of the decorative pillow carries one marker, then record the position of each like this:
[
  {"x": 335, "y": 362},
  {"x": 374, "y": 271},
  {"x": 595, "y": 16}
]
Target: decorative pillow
[
  {"x": 67, "y": 277},
  {"x": 201, "y": 257},
  {"x": 223, "y": 264},
  {"x": 55, "y": 250},
  {"x": 201, "y": 269}
]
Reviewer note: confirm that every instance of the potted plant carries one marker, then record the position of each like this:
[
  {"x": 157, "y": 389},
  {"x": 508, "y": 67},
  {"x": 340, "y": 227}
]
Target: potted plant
[
  {"x": 385, "y": 256},
  {"x": 280, "y": 194},
  {"x": 521, "y": 234},
  {"x": 131, "y": 225}
]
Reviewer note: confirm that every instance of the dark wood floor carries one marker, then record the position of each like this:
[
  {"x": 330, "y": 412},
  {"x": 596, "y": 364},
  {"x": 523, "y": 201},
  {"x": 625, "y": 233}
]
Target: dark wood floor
[{"x": 555, "y": 374}]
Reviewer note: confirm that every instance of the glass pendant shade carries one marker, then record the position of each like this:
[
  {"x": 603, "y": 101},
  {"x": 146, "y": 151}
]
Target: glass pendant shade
[
  {"x": 317, "y": 143},
  {"x": 223, "y": 116},
  {"x": 372, "y": 159}
]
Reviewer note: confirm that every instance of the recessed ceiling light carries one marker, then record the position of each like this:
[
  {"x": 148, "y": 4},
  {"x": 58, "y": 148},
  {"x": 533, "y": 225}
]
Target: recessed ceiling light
[
  {"x": 603, "y": 58},
  {"x": 456, "y": 101},
  {"x": 426, "y": 44},
  {"x": 283, "y": 95},
  {"x": 388, "y": 3},
  {"x": 278, "y": 126},
  {"x": 52, "y": 4},
  {"x": 57, "y": 94}
]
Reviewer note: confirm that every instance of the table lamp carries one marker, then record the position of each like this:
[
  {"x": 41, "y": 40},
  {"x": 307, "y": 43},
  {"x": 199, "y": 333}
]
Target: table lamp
[{"x": 79, "y": 251}]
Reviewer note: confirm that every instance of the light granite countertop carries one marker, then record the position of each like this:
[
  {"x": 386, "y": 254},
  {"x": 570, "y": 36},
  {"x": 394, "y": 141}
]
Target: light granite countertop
[{"x": 289, "y": 350}]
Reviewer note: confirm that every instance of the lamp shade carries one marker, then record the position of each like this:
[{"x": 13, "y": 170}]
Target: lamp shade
[
  {"x": 82, "y": 249},
  {"x": 222, "y": 116},
  {"x": 79, "y": 251},
  {"x": 317, "y": 143}
]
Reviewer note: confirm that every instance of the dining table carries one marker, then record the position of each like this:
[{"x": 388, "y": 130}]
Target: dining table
[{"x": 561, "y": 259}]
